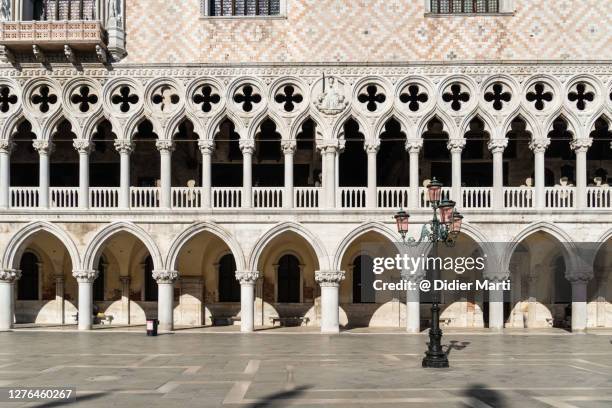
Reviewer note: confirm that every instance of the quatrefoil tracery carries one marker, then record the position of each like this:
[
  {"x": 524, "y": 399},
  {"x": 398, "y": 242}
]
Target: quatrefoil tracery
[
  {"x": 84, "y": 98},
  {"x": 44, "y": 98},
  {"x": 124, "y": 99},
  {"x": 581, "y": 96},
  {"x": 248, "y": 98},
  {"x": 540, "y": 96},
  {"x": 206, "y": 97},
  {"x": 414, "y": 97},
  {"x": 165, "y": 97},
  {"x": 7, "y": 98},
  {"x": 372, "y": 98},
  {"x": 289, "y": 98},
  {"x": 456, "y": 97},
  {"x": 498, "y": 96}
]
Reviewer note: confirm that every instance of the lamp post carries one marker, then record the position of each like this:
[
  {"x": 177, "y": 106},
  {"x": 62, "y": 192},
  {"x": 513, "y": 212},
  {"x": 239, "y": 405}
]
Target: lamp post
[{"x": 443, "y": 228}]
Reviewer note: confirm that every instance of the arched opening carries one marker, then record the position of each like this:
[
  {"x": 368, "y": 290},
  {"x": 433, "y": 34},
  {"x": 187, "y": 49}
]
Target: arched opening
[
  {"x": 363, "y": 279},
  {"x": 307, "y": 167},
  {"x": 599, "y": 163},
  {"x": 518, "y": 172},
  {"x": 145, "y": 159},
  {"x": 64, "y": 165},
  {"x": 227, "y": 157},
  {"x": 229, "y": 287},
  {"x": 186, "y": 158},
  {"x": 353, "y": 161},
  {"x": 150, "y": 286},
  {"x": 28, "y": 288},
  {"x": 24, "y": 158},
  {"x": 288, "y": 280},
  {"x": 392, "y": 160},
  {"x": 99, "y": 286},
  {"x": 104, "y": 168},
  {"x": 437, "y": 159},
  {"x": 477, "y": 160},
  {"x": 599, "y": 289},
  {"x": 560, "y": 157},
  {"x": 268, "y": 170}
]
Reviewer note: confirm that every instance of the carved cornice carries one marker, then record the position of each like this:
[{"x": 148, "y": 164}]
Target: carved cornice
[
  {"x": 9, "y": 275},
  {"x": 85, "y": 276},
  {"x": 329, "y": 278},
  {"x": 247, "y": 277},
  {"x": 163, "y": 276}
]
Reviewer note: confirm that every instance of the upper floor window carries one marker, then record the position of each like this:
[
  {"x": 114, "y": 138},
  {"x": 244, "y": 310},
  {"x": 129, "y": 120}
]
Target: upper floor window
[
  {"x": 464, "y": 6},
  {"x": 244, "y": 7},
  {"x": 45, "y": 10}
]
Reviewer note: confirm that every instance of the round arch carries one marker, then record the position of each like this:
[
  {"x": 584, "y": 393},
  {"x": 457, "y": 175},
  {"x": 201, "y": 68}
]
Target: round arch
[
  {"x": 356, "y": 233},
  {"x": 281, "y": 228},
  {"x": 18, "y": 244},
  {"x": 96, "y": 244},
  {"x": 184, "y": 237}
]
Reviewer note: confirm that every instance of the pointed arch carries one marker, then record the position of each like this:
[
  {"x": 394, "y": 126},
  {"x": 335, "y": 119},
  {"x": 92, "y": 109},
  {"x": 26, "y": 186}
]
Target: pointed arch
[
  {"x": 11, "y": 125},
  {"x": 449, "y": 124},
  {"x": 20, "y": 240},
  {"x": 377, "y": 227},
  {"x": 296, "y": 228},
  {"x": 180, "y": 240},
  {"x": 53, "y": 123},
  {"x": 218, "y": 119},
  {"x": 485, "y": 117},
  {"x": 172, "y": 128},
  {"x": 296, "y": 126},
  {"x": 379, "y": 128},
  {"x": 525, "y": 116},
  {"x": 261, "y": 117},
  {"x": 573, "y": 123},
  {"x": 600, "y": 114},
  {"x": 96, "y": 244},
  {"x": 338, "y": 130}
]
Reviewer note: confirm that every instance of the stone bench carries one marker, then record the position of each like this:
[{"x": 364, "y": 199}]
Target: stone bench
[
  {"x": 289, "y": 321},
  {"x": 225, "y": 320}
]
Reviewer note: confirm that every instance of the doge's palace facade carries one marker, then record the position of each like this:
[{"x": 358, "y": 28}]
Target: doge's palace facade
[{"x": 229, "y": 162}]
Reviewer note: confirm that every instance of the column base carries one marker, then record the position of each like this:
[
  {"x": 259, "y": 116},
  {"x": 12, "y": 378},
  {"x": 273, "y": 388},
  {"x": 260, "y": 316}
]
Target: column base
[
  {"x": 330, "y": 330},
  {"x": 165, "y": 327}
]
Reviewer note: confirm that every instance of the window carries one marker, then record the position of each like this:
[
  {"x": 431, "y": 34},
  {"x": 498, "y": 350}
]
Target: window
[
  {"x": 464, "y": 6},
  {"x": 44, "y": 10},
  {"x": 220, "y": 8},
  {"x": 229, "y": 287},
  {"x": 27, "y": 286}
]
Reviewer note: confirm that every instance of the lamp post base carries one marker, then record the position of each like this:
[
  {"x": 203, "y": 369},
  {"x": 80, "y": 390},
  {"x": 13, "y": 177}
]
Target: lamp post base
[{"x": 435, "y": 361}]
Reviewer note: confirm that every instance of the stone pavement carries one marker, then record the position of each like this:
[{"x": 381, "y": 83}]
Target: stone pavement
[{"x": 305, "y": 369}]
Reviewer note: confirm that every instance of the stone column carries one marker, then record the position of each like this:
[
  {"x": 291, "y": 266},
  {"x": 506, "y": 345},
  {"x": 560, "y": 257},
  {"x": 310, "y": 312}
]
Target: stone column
[
  {"x": 496, "y": 307},
  {"x": 6, "y": 146},
  {"x": 602, "y": 286},
  {"x": 456, "y": 147},
  {"x": 247, "y": 281},
  {"x": 165, "y": 300},
  {"x": 124, "y": 147},
  {"x": 328, "y": 153},
  {"x": 207, "y": 148},
  {"x": 371, "y": 150},
  {"x": 414, "y": 147},
  {"x": 330, "y": 299},
  {"x": 125, "y": 299},
  {"x": 85, "y": 280},
  {"x": 497, "y": 147},
  {"x": 45, "y": 149},
  {"x": 248, "y": 148},
  {"x": 539, "y": 147},
  {"x": 579, "y": 301},
  {"x": 413, "y": 301},
  {"x": 532, "y": 281},
  {"x": 84, "y": 147},
  {"x": 289, "y": 147},
  {"x": 7, "y": 297},
  {"x": 59, "y": 298},
  {"x": 581, "y": 146},
  {"x": 165, "y": 147}
]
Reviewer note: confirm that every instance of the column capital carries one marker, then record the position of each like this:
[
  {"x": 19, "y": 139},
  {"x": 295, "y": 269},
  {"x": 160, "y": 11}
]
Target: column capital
[
  {"x": 328, "y": 148},
  {"x": 43, "y": 146},
  {"x": 372, "y": 147},
  {"x": 59, "y": 278},
  {"x": 329, "y": 278},
  {"x": 164, "y": 276},
  {"x": 207, "y": 147},
  {"x": 414, "y": 145},
  {"x": 580, "y": 276},
  {"x": 9, "y": 275},
  {"x": 125, "y": 279},
  {"x": 6, "y": 146},
  {"x": 539, "y": 145},
  {"x": 83, "y": 146},
  {"x": 289, "y": 147},
  {"x": 85, "y": 276},
  {"x": 497, "y": 145},
  {"x": 455, "y": 145},
  {"x": 124, "y": 146},
  {"x": 247, "y": 277},
  {"x": 247, "y": 146},
  {"x": 497, "y": 277},
  {"x": 581, "y": 145},
  {"x": 165, "y": 145},
  {"x": 410, "y": 276}
]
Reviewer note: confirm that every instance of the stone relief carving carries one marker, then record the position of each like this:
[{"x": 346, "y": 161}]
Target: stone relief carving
[{"x": 332, "y": 100}]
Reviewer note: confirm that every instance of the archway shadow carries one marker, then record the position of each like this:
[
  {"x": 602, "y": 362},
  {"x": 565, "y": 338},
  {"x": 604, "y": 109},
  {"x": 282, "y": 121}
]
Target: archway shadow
[
  {"x": 280, "y": 399},
  {"x": 482, "y": 393}
]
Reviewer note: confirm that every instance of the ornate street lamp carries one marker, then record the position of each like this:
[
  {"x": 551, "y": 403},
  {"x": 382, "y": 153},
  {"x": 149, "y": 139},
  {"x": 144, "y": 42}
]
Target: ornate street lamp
[{"x": 443, "y": 228}]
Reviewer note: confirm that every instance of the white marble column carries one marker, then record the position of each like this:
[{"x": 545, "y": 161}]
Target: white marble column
[
  {"x": 85, "y": 280},
  {"x": 413, "y": 301},
  {"x": 8, "y": 277},
  {"x": 330, "y": 299},
  {"x": 59, "y": 298},
  {"x": 125, "y": 148},
  {"x": 125, "y": 299},
  {"x": 248, "y": 148},
  {"x": 289, "y": 147},
  {"x": 371, "y": 151},
  {"x": 6, "y": 146},
  {"x": 45, "y": 149},
  {"x": 539, "y": 147},
  {"x": 165, "y": 147},
  {"x": 165, "y": 299},
  {"x": 456, "y": 148},
  {"x": 328, "y": 153},
  {"x": 581, "y": 147},
  {"x": 602, "y": 286},
  {"x": 497, "y": 147},
  {"x": 84, "y": 147},
  {"x": 414, "y": 147},
  {"x": 532, "y": 301},
  {"x": 207, "y": 148},
  {"x": 247, "y": 281},
  {"x": 579, "y": 301},
  {"x": 496, "y": 309}
]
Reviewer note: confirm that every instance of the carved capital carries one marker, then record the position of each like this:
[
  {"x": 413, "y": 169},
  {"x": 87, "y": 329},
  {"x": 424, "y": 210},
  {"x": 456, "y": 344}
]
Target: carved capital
[
  {"x": 539, "y": 145},
  {"x": 328, "y": 149},
  {"x": 165, "y": 145},
  {"x": 206, "y": 147},
  {"x": 247, "y": 277},
  {"x": 412, "y": 276},
  {"x": 289, "y": 147},
  {"x": 124, "y": 146},
  {"x": 329, "y": 278},
  {"x": 83, "y": 146},
  {"x": 247, "y": 146},
  {"x": 125, "y": 279},
  {"x": 498, "y": 145},
  {"x": 581, "y": 145},
  {"x": 9, "y": 275},
  {"x": 6, "y": 146},
  {"x": 580, "y": 276},
  {"x": 371, "y": 148},
  {"x": 43, "y": 146},
  {"x": 162, "y": 276},
  {"x": 414, "y": 145},
  {"x": 85, "y": 276},
  {"x": 456, "y": 145}
]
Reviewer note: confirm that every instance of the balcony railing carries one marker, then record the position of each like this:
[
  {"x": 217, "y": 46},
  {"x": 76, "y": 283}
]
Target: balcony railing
[
  {"x": 80, "y": 34},
  {"x": 514, "y": 198}
]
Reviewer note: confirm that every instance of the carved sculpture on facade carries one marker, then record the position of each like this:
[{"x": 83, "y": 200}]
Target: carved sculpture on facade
[
  {"x": 332, "y": 101},
  {"x": 5, "y": 10}
]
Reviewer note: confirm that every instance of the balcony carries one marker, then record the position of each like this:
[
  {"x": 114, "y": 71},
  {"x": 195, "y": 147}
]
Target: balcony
[{"x": 265, "y": 198}]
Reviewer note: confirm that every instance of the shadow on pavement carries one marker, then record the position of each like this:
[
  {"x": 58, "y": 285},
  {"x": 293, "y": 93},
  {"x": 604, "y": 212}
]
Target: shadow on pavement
[
  {"x": 456, "y": 345},
  {"x": 279, "y": 399},
  {"x": 491, "y": 397},
  {"x": 80, "y": 399}
]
